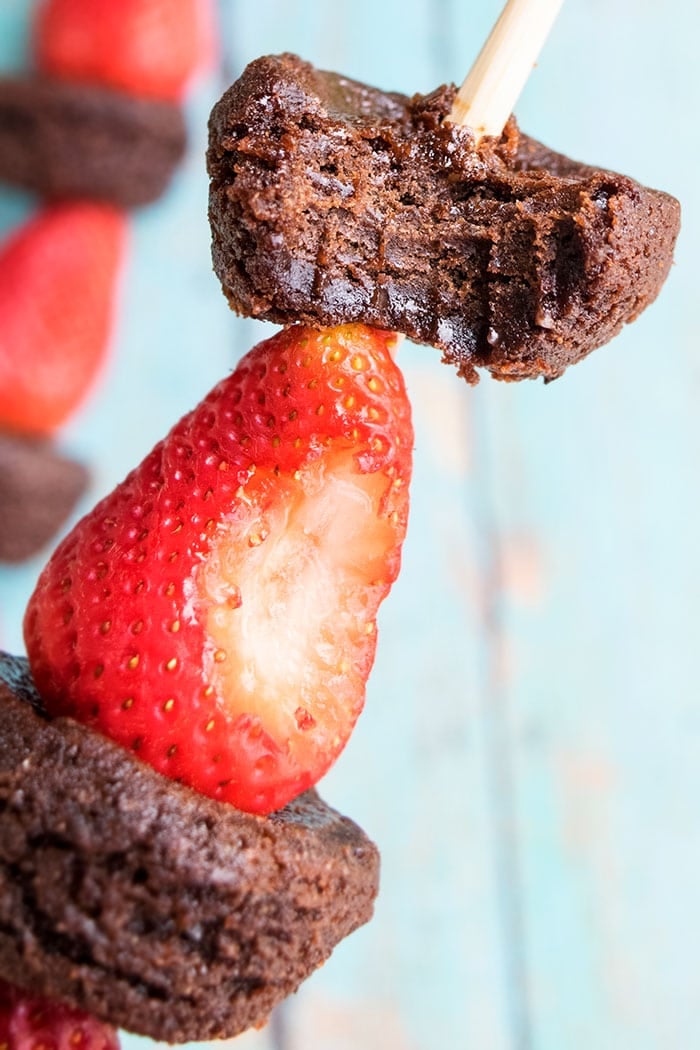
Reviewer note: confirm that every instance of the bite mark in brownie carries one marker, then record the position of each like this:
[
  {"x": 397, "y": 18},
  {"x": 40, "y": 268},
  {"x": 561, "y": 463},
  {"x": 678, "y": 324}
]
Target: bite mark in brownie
[
  {"x": 334, "y": 202},
  {"x": 70, "y": 140},
  {"x": 134, "y": 898}
]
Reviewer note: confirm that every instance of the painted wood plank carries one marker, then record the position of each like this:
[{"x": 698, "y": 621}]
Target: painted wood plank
[{"x": 594, "y": 503}]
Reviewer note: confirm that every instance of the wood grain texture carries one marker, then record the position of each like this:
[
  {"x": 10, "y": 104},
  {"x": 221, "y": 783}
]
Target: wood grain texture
[{"x": 527, "y": 760}]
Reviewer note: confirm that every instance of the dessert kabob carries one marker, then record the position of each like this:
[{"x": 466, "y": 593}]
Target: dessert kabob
[
  {"x": 95, "y": 130},
  {"x": 216, "y": 615}
]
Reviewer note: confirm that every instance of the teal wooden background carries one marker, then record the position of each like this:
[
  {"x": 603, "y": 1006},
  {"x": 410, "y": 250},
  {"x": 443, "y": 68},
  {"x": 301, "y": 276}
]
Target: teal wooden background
[{"x": 528, "y": 758}]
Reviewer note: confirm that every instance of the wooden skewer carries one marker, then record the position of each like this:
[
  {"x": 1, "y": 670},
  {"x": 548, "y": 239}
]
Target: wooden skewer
[{"x": 492, "y": 87}]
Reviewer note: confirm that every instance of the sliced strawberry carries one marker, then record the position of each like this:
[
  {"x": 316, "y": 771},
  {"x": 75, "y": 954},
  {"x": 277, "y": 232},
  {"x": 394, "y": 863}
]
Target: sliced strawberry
[
  {"x": 28, "y": 1022},
  {"x": 144, "y": 47},
  {"x": 217, "y": 612},
  {"x": 57, "y": 294}
]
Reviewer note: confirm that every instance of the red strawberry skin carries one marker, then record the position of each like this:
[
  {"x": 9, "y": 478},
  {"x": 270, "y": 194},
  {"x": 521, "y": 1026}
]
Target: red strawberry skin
[
  {"x": 30, "y": 1023},
  {"x": 58, "y": 276},
  {"x": 148, "y": 48},
  {"x": 217, "y": 612}
]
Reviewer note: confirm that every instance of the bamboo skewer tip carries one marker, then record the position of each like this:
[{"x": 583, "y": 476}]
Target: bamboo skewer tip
[{"x": 494, "y": 83}]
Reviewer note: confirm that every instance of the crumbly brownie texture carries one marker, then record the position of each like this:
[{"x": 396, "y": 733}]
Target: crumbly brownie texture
[
  {"x": 38, "y": 490},
  {"x": 148, "y": 905},
  {"x": 334, "y": 202},
  {"x": 67, "y": 140}
]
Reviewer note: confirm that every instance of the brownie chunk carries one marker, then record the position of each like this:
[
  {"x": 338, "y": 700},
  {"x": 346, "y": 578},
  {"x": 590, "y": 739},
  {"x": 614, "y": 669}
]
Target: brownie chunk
[
  {"x": 70, "y": 140},
  {"x": 334, "y": 202},
  {"x": 39, "y": 488},
  {"x": 148, "y": 905}
]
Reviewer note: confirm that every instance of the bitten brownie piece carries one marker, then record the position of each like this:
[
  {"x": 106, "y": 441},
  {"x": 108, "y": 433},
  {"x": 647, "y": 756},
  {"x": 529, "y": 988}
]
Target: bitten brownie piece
[
  {"x": 38, "y": 490},
  {"x": 148, "y": 905},
  {"x": 334, "y": 202},
  {"x": 67, "y": 140}
]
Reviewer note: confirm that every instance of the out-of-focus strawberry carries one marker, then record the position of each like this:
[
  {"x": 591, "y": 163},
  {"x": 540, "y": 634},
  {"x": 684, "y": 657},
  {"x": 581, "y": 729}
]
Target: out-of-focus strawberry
[
  {"x": 217, "y": 612},
  {"x": 144, "y": 47},
  {"x": 57, "y": 294},
  {"x": 30, "y": 1023}
]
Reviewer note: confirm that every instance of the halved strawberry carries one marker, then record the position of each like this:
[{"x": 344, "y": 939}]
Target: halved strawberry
[
  {"x": 217, "y": 612},
  {"x": 57, "y": 295},
  {"x": 144, "y": 47},
  {"x": 28, "y": 1022}
]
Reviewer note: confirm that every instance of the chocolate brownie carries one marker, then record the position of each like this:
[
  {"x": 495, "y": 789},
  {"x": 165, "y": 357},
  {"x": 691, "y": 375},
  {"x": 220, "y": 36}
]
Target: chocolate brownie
[
  {"x": 69, "y": 140},
  {"x": 38, "y": 490},
  {"x": 334, "y": 202},
  {"x": 148, "y": 905}
]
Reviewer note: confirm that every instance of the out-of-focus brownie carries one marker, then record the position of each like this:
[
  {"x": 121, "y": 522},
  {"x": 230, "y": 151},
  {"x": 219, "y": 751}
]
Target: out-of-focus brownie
[
  {"x": 69, "y": 140},
  {"x": 38, "y": 490},
  {"x": 333, "y": 202},
  {"x": 148, "y": 905}
]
